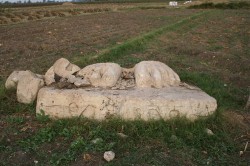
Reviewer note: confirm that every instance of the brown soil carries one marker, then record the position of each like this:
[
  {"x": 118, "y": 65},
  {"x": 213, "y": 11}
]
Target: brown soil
[
  {"x": 68, "y": 9},
  {"x": 36, "y": 45},
  {"x": 209, "y": 46}
]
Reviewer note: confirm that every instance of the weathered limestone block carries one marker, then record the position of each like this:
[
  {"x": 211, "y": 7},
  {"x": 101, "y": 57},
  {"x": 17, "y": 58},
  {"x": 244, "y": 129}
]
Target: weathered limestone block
[
  {"x": 144, "y": 103},
  {"x": 63, "y": 68},
  {"x": 155, "y": 74},
  {"x": 101, "y": 74},
  {"x": 49, "y": 77},
  {"x": 28, "y": 87}
]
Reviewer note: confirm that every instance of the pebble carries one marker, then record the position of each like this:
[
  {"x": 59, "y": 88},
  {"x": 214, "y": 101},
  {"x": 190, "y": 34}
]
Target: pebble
[
  {"x": 109, "y": 156},
  {"x": 209, "y": 132}
]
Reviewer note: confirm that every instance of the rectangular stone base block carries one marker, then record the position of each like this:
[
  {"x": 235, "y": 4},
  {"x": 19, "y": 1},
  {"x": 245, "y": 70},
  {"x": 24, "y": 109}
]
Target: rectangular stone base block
[{"x": 129, "y": 104}]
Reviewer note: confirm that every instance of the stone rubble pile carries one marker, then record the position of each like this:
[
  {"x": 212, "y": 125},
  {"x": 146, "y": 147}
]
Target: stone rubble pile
[
  {"x": 149, "y": 90},
  {"x": 64, "y": 74}
]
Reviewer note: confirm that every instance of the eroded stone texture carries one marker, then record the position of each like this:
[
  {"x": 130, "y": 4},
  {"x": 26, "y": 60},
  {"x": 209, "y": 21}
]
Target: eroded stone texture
[
  {"x": 63, "y": 68},
  {"x": 28, "y": 87},
  {"x": 126, "y": 80},
  {"x": 49, "y": 77},
  {"x": 146, "y": 103},
  {"x": 155, "y": 74},
  {"x": 12, "y": 80},
  {"x": 101, "y": 74},
  {"x": 150, "y": 90}
]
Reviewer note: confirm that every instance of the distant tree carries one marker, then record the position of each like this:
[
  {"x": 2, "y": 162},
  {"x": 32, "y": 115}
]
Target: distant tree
[{"x": 29, "y": 1}]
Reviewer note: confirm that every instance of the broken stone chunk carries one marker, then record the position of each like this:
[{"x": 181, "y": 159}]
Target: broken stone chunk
[
  {"x": 122, "y": 135},
  {"x": 63, "y": 68},
  {"x": 101, "y": 74},
  {"x": 77, "y": 81},
  {"x": 209, "y": 132},
  {"x": 50, "y": 76},
  {"x": 62, "y": 85},
  {"x": 155, "y": 74},
  {"x": 28, "y": 87}
]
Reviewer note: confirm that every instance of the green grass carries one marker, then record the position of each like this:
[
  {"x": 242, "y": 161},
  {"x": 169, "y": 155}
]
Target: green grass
[
  {"x": 228, "y": 97},
  {"x": 76, "y": 137}
]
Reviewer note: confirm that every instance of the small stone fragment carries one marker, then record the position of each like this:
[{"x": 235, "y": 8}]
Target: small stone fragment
[
  {"x": 86, "y": 157},
  {"x": 122, "y": 135},
  {"x": 209, "y": 132},
  {"x": 78, "y": 81},
  {"x": 109, "y": 156},
  {"x": 63, "y": 80},
  {"x": 97, "y": 140},
  {"x": 71, "y": 79},
  {"x": 50, "y": 76},
  {"x": 128, "y": 73},
  {"x": 62, "y": 85}
]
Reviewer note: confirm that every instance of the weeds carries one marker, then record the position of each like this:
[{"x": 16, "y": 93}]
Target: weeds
[
  {"x": 230, "y": 5},
  {"x": 41, "y": 117},
  {"x": 15, "y": 120}
]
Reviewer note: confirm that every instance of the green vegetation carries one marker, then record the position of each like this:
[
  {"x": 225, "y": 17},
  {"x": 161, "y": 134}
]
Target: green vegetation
[
  {"x": 173, "y": 142},
  {"x": 230, "y": 5}
]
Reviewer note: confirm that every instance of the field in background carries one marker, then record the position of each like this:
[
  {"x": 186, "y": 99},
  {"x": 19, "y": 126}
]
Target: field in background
[
  {"x": 207, "y": 48},
  {"x": 12, "y": 14},
  {"x": 42, "y": 42}
]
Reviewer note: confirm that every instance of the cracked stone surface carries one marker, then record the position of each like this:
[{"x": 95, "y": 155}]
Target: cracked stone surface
[{"x": 144, "y": 103}]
